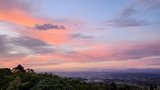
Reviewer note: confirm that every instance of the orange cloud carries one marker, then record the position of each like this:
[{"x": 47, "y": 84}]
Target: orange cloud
[
  {"x": 17, "y": 12},
  {"x": 18, "y": 17},
  {"x": 26, "y": 19}
]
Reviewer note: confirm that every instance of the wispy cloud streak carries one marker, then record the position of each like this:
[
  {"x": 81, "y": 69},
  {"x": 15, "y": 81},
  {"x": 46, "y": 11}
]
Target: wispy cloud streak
[{"x": 125, "y": 17}]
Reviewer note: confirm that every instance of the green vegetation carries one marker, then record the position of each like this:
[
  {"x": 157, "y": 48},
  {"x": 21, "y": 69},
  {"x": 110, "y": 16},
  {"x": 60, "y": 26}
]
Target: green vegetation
[{"x": 20, "y": 79}]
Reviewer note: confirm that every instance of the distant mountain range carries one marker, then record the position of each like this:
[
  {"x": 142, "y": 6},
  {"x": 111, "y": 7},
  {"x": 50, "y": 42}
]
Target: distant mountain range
[
  {"x": 131, "y": 70},
  {"x": 135, "y": 70}
]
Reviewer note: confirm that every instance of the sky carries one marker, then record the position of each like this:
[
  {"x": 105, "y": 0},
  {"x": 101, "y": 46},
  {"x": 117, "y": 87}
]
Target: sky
[{"x": 80, "y": 35}]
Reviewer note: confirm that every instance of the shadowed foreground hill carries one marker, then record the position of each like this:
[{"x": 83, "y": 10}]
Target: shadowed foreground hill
[{"x": 20, "y": 79}]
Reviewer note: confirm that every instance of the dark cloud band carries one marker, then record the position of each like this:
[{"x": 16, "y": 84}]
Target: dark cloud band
[
  {"x": 48, "y": 27},
  {"x": 22, "y": 46}
]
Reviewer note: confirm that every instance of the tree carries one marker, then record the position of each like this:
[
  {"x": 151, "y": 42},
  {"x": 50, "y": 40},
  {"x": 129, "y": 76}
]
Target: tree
[
  {"x": 5, "y": 72},
  {"x": 49, "y": 83},
  {"x": 4, "y": 77},
  {"x": 127, "y": 87},
  {"x": 19, "y": 68},
  {"x": 14, "y": 84},
  {"x": 113, "y": 86}
]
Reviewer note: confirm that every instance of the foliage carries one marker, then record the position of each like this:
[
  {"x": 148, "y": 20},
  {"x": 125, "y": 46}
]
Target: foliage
[
  {"x": 14, "y": 84},
  {"x": 19, "y": 68},
  {"x": 4, "y": 77},
  {"x": 32, "y": 81}
]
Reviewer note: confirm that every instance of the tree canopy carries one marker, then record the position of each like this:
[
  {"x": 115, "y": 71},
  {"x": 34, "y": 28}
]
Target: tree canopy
[{"x": 32, "y": 81}]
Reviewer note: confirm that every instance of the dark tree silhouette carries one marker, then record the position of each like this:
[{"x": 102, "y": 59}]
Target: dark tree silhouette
[
  {"x": 19, "y": 68},
  {"x": 113, "y": 86}
]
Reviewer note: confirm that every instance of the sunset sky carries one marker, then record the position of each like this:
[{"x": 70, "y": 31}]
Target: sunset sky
[{"x": 80, "y": 35}]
